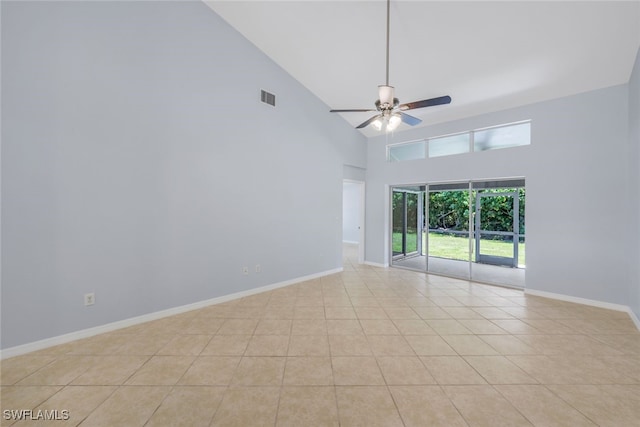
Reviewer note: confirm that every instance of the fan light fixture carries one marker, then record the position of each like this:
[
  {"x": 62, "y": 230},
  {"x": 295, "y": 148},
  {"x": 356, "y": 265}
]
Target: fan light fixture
[
  {"x": 387, "y": 122},
  {"x": 390, "y": 111}
]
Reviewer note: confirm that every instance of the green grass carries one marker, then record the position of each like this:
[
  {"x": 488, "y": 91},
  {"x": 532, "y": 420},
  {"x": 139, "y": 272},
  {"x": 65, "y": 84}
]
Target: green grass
[{"x": 453, "y": 247}]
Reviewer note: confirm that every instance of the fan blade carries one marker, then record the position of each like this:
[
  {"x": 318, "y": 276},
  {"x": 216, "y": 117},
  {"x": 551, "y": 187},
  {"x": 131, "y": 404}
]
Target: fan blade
[
  {"x": 368, "y": 122},
  {"x": 410, "y": 120},
  {"x": 425, "y": 103},
  {"x": 352, "y": 111}
]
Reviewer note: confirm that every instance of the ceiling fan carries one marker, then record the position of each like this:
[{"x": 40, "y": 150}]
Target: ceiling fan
[{"x": 390, "y": 110}]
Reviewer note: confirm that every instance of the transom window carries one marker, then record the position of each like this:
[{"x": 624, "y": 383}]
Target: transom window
[{"x": 485, "y": 139}]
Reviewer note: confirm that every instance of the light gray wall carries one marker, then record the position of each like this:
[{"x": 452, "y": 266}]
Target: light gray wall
[
  {"x": 576, "y": 183},
  {"x": 139, "y": 164},
  {"x": 634, "y": 180}
]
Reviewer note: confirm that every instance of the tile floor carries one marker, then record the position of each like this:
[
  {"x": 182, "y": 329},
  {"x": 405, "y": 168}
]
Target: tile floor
[{"x": 369, "y": 346}]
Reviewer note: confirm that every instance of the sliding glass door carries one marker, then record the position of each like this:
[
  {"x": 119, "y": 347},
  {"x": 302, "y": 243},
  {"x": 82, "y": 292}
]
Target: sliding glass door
[{"x": 469, "y": 230}]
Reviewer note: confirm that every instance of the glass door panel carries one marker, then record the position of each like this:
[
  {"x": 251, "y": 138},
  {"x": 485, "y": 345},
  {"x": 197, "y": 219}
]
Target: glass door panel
[
  {"x": 496, "y": 228},
  {"x": 448, "y": 239},
  {"x": 407, "y": 212},
  {"x": 499, "y": 233}
]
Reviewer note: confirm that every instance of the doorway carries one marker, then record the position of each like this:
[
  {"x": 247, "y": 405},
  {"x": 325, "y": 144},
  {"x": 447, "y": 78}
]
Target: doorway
[{"x": 353, "y": 207}]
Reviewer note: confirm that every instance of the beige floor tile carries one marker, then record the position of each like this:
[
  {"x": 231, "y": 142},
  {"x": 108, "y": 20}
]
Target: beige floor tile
[
  {"x": 130, "y": 406},
  {"x": 548, "y": 362},
  {"x": 264, "y": 371},
  {"x": 203, "y": 326},
  {"x": 448, "y": 327},
  {"x": 568, "y": 344},
  {"x": 17, "y": 368},
  {"x": 248, "y": 406},
  {"x": 344, "y": 327},
  {"x": 406, "y": 313},
  {"x": 357, "y": 370},
  {"x": 310, "y": 301},
  {"x": 308, "y": 345},
  {"x": 211, "y": 370},
  {"x": 402, "y": 370},
  {"x": 238, "y": 327},
  {"x": 25, "y": 397},
  {"x": 307, "y": 406},
  {"x": 499, "y": 370},
  {"x": 226, "y": 345},
  {"x": 492, "y": 313},
  {"x": 469, "y": 345},
  {"x": 425, "y": 406},
  {"x": 482, "y": 326},
  {"x": 390, "y": 345},
  {"x": 309, "y": 327},
  {"x": 364, "y": 301},
  {"x": 413, "y": 327},
  {"x": 273, "y": 327},
  {"x": 541, "y": 407},
  {"x": 388, "y": 302},
  {"x": 626, "y": 343},
  {"x": 366, "y": 406},
  {"x": 507, "y": 344},
  {"x": 169, "y": 325},
  {"x": 308, "y": 313},
  {"x": 431, "y": 313},
  {"x": 340, "y": 313},
  {"x": 337, "y": 301},
  {"x": 79, "y": 401},
  {"x": 99, "y": 344},
  {"x": 429, "y": 345},
  {"x": 61, "y": 371},
  {"x": 379, "y": 327},
  {"x": 268, "y": 345},
  {"x": 187, "y": 406},
  {"x": 419, "y": 301},
  {"x": 370, "y": 313},
  {"x": 452, "y": 370},
  {"x": 547, "y": 370},
  {"x": 308, "y": 371},
  {"x": 161, "y": 370},
  {"x": 185, "y": 345},
  {"x": 144, "y": 345},
  {"x": 516, "y": 326},
  {"x": 278, "y": 312},
  {"x": 625, "y": 369},
  {"x": 445, "y": 301},
  {"x": 484, "y": 406},
  {"x": 349, "y": 345},
  {"x": 606, "y": 405},
  {"x": 110, "y": 370},
  {"x": 462, "y": 313}
]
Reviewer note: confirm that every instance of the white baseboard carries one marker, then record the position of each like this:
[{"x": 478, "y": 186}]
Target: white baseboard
[
  {"x": 120, "y": 324},
  {"x": 376, "y": 264},
  {"x": 585, "y": 301},
  {"x": 350, "y": 242}
]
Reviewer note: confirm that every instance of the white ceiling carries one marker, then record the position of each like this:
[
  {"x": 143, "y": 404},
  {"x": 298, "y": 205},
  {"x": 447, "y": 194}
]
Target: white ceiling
[{"x": 487, "y": 56}]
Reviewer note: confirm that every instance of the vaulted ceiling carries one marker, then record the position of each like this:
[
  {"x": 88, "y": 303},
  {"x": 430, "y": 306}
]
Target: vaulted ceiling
[{"x": 487, "y": 56}]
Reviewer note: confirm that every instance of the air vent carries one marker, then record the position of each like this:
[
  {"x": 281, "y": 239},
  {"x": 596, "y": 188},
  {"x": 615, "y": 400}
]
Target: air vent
[{"x": 268, "y": 98}]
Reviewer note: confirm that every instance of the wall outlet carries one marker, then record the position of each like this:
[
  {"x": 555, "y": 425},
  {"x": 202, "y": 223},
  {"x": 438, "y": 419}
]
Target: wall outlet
[
  {"x": 89, "y": 299},
  {"x": 258, "y": 268},
  {"x": 245, "y": 270}
]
